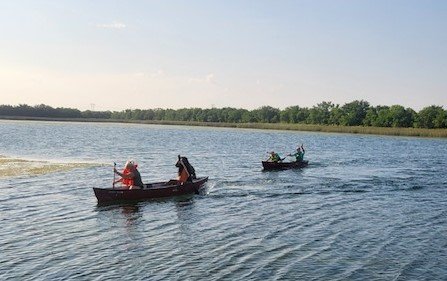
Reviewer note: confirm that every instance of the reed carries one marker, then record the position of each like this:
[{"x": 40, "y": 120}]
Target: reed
[
  {"x": 410, "y": 132},
  {"x": 416, "y": 132}
]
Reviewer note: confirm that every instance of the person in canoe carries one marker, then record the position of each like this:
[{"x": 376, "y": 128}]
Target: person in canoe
[
  {"x": 130, "y": 177},
  {"x": 274, "y": 157},
  {"x": 186, "y": 171},
  {"x": 299, "y": 154}
]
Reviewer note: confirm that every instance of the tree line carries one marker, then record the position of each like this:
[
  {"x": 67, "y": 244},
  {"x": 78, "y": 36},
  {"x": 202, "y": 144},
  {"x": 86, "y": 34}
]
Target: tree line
[{"x": 355, "y": 113}]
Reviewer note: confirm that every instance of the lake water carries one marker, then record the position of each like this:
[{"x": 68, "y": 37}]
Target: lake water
[{"x": 366, "y": 208}]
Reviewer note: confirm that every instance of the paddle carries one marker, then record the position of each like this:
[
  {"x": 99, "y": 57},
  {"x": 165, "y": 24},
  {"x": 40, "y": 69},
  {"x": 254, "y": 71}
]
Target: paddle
[{"x": 114, "y": 167}]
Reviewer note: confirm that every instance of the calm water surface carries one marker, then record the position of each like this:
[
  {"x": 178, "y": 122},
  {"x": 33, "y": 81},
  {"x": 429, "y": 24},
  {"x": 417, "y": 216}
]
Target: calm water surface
[{"x": 366, "y": 208}]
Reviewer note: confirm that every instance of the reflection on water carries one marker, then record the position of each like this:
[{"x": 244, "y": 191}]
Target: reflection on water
[
  {"x": 132, "y": 212},
  {"x": 184, "y": 201}
]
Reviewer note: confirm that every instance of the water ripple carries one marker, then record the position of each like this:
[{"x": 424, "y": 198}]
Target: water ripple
[{"x": 356, "y": 213}]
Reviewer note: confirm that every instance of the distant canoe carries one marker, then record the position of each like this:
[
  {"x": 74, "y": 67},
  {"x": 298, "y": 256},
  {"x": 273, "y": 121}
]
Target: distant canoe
[
  {"x": 268, "y": 166},
  {"x": 150, "y": 191}
]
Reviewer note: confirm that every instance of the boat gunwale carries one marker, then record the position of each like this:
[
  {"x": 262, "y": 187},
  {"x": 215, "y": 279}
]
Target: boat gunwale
[
  {"x": 268, "y": 165},
  {"x": 158, "y": 186}
]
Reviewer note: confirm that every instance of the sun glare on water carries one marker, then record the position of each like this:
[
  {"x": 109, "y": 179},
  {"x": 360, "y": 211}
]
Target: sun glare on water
[{"x": 12, "y": 167}]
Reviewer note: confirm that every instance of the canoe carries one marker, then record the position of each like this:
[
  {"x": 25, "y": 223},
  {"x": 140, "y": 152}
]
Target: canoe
[
  {"x": 150, "y": 191},
  {"x": 268, "y": 166}
]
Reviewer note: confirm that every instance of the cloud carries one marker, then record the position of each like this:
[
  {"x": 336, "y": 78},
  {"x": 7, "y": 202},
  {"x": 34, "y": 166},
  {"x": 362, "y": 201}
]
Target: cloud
[
  {"x": 154, "y": 74},
  {"x": 113, "y": 25},
  {"x": 208, "y": 79}
]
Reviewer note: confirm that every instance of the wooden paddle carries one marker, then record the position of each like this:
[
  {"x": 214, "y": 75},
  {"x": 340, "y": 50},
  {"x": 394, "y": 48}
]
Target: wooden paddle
[{"x": 114, "y": 167}]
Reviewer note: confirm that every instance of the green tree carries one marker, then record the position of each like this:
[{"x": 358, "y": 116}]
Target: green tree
[
  {"x": 96, "y": 114},
  {"x": 294, "y": 114},
  {"x": 235, "y": 115},
  {"x": 370, "y": 117},
  {"x": 354, "y": 113},
  {"x": 7, "y": 110},
  {"x": 321, "y": 113},
  {"x": 383, "y": 117},
  {"x": 248, "y": 117},
  {"x": 401, "y": 117},
  {"x": 267, "y": 114},
  {"x": 336, "y": 115},
  {"x": 432, "y": 117}
]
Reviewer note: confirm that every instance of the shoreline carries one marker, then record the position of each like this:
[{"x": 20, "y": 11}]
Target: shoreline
[{"x": 388, "y": 131}]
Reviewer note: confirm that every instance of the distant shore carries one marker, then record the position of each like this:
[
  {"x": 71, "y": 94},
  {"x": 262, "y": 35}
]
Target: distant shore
[{"x": 410, "y": 132}]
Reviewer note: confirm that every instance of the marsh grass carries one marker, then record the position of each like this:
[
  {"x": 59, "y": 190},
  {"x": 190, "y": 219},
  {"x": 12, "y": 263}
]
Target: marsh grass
[{"x": 411, "y": 132}]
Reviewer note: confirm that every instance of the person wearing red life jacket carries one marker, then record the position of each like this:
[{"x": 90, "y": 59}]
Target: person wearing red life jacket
[{"x": 130, "y": 177}]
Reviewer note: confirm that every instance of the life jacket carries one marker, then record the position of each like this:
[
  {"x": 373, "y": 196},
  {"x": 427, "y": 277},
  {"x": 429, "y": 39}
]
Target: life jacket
[
  {"x": 126, "y": 181},
  {"x": 184, "y": 175}
]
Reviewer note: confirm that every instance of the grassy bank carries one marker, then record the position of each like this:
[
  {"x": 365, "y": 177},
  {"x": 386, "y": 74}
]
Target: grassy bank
[{"x": 412, "y": 132}]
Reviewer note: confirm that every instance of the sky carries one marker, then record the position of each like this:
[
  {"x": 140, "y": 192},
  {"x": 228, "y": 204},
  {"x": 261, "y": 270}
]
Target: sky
[{"x": 116, "y": 55}]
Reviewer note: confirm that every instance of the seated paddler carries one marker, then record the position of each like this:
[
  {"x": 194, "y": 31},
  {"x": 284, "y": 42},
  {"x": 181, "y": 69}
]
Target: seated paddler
[
  {"x": 299, "y": 154},
  {"x": 186, "y": 172},
  {"x": 130, "y": 176},
  {"x": 274, "y": 157}
]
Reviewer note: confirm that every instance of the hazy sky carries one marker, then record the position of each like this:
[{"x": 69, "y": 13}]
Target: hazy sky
[{"x": 113, "y": 55}]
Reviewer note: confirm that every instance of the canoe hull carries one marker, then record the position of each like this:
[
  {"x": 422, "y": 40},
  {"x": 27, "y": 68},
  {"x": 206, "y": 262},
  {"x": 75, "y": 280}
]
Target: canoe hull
[
  {"x": 151, "y": 191},
  {"x": 269, "y": 166}
]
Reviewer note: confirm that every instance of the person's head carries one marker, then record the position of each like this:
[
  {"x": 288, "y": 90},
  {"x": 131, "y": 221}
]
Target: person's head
[
  {"x": 272, "y": 153},
  {"x": 180, "y": 161},
  {"x": 298, "y": 149},
  {"x": 130, "y": 165}
]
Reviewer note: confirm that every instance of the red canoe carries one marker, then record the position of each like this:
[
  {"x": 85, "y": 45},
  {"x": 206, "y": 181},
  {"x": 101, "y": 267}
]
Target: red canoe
[{"x": 150, "y": 191}]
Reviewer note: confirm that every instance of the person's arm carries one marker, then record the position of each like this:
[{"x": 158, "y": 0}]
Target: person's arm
[
  {"x": 128, "y": 176},
  {"x": 116, "y": 172}
]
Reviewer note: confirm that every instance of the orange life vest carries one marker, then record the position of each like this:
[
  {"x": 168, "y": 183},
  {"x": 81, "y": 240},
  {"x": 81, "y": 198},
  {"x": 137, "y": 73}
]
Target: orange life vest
[
  {"x": 184, "y": 175},
  {"x": 126, "y": 181}
]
